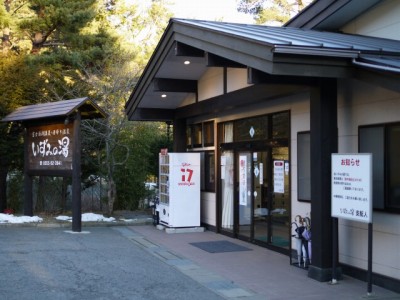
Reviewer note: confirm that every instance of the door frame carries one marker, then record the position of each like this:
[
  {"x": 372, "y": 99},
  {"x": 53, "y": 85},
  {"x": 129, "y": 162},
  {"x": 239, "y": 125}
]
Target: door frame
[{"x": 252, "y": 146}]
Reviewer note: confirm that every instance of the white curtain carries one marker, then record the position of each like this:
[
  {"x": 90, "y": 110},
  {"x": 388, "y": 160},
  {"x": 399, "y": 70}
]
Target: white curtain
[{"x": 227, "y": 181}]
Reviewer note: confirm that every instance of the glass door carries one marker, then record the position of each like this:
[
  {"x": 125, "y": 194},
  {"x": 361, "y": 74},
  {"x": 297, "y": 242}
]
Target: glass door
[
  {"x": 280, "y": 205},
  {"x": 245, "y": 194},
  {"x": 255, "y": 199},
  {"x": 260, "y": 195},
  {"x": 227, "y": 191}
]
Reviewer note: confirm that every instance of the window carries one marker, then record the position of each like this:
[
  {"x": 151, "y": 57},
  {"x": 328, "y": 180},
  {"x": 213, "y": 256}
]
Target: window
[
  {"x": 189, "y": 142},
  {"x": 303, "y": 166},
  {"x": 197, "y": 135},
  {"x": 208, "y": 130},
  {"x": 280, "y": 125},
  {"x": 383, "y": 141},
  {"x": 251, "y": 129},
  {"x": 200, "y": 135},
  {"x": 207, "y": 171}
]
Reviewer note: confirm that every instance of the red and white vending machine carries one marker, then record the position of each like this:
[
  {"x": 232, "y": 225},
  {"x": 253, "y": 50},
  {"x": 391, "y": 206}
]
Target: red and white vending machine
[{"x": 179, "y": 189}]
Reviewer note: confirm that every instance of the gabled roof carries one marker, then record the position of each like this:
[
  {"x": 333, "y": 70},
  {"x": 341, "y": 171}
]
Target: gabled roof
[
  {"x": 296, "y": 40},
  {"x": 275, "y": 51},
  {"x": 53, "y": 110}
]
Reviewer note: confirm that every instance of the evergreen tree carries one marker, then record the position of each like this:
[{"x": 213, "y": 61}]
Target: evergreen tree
[{"x": 69, "y": 49}]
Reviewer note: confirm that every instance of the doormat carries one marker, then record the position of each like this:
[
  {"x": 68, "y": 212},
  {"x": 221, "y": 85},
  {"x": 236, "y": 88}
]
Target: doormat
[{"x": 219, "y": 246}]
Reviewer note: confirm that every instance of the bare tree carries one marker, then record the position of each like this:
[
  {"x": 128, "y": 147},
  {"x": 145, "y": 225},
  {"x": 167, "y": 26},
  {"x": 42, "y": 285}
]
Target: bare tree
[{"x": 103, "y": 135}]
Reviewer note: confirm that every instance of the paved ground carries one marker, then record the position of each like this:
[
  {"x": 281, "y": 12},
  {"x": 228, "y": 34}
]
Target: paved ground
[
  {"x": 141, "y": 262},
  {"x": 49, "y": 263}
]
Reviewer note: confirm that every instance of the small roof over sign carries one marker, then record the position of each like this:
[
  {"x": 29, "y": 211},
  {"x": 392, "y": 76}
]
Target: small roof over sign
[{"x": 59, "y": 109}]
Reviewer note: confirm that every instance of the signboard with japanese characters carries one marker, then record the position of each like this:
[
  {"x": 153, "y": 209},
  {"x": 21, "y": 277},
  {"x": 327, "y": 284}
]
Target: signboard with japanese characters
[
  {"x": 50, "y": 147},
  {"x": 243, "y": 180},
  {"x": 352, "y": 187},
  {"x": 279, "y": 176}
]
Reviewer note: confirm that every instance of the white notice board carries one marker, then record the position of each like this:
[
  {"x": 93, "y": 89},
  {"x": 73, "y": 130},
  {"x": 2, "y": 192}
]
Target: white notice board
[
  {"x": 352, "y": 187},
  {"x": 279, "y": 176}
]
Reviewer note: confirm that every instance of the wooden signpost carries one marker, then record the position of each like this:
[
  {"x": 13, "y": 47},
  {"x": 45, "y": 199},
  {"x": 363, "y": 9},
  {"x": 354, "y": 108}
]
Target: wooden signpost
[{"x": 53, "y": 145}]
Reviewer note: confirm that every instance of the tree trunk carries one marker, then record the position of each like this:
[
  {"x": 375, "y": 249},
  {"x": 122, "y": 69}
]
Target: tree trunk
[
  {"x": 5, "y": 40},
  {"x": 37, "y": 43},
  {"x": 41, "y": 194},
  {"x": 112, "y": 195}
]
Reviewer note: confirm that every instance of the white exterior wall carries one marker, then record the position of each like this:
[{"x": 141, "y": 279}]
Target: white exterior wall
[
  {"x": 211, "y": 84},
  {"x": 382, "y": 21},
  {"x": 208, "y": 213},
  {"x": 359, "y": 104},
  {"x": 363, "y": 104},
  {"x": 236, "y": 79}
]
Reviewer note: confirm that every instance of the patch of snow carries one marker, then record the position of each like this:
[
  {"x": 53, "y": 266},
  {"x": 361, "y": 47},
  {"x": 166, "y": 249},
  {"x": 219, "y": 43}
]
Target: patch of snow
[
  {"x": 63, "y": 218},
  {"x": 6, "y": 218},
  {"x": 88, "y": 217},
  {"x": 91, "y": 217}
]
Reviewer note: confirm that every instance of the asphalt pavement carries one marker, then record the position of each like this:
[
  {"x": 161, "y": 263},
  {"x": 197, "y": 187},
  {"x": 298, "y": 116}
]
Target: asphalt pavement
[
  {"x": 142, "y": 262},
  {"x": 99, "y": 263}
]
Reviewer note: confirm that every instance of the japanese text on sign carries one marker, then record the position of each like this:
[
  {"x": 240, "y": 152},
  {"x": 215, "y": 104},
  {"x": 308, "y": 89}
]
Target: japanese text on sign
[
  {"x": 279, "y": 177},
  {"x": 49, "y": 147},
  {"x": 352, "y": 187}
]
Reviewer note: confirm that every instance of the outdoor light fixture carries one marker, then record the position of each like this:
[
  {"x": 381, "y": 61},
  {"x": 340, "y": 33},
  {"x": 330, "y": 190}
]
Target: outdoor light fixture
[
  {"x": 164, "y": 96},
  {"x": 187, "y": 62}
]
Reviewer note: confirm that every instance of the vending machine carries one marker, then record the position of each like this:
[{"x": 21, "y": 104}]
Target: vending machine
[{"x": 179, "y": 190}]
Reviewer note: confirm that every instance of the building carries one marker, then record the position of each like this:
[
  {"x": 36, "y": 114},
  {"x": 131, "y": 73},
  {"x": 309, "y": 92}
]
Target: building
[{"x": 267, "y": 106}]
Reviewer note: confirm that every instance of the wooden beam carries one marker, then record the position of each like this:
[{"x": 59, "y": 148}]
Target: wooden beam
[
  {"x": 152, "y": 114},
  {"x": 213, "y": 60},
  {"x": 255, "y": 76},
  {"x": 174, "y": 85},
  {"x": 186, "y": 50},
  {"x": 240, "y": 98}
]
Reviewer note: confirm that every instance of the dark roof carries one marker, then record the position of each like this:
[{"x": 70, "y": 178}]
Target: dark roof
[
  {"x": 330, "y": 14},
  {"x": 57, "y": 109},
  {"x": 282, "y": 51},
  {"x": 301, "y": 41}
]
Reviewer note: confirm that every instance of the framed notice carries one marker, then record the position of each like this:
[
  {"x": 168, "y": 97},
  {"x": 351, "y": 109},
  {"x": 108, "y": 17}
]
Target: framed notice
[
  {"x": 243, "y": 180},
  {"x": 50, "y": 147},
  {"x": 352, "y": 187},
  {"x": 279, "y": 176}
]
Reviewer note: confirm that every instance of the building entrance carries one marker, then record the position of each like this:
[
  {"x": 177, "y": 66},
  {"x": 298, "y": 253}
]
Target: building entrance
[
  {"x": 255, "y": 196},
  {"x": 254, "y": 185}
]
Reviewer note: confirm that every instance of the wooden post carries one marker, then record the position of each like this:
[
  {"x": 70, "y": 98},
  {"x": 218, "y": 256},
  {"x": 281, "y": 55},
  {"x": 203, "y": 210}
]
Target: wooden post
[
  {"x": 76, "y": 175},
  {"x": 28, "y": 196},
  {"x": 324, "y": 142}
]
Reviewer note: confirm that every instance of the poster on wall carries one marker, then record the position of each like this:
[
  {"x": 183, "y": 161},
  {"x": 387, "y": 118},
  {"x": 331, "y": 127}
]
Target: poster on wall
[
  {"x": 279, "y": 176},
  {"x": 242, "y": 180},
  {"x": 352, "y": 187},
  {"x": 50, "y": 147}
]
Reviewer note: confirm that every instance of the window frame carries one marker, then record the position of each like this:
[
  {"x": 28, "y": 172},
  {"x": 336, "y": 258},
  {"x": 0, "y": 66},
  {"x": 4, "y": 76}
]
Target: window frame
[
  {"x": 301, "y": 165},
  {"x": 208, "y": 170},
  {"x": 386, "y": 167},
  {"x": 194, "y": 141}
]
